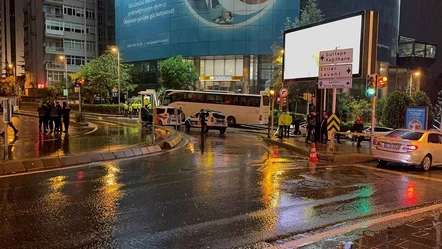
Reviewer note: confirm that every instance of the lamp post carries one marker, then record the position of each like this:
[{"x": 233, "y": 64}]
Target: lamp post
[
  {"x": 115, "y": 50},
  {"x": 63, "y": 58},
  {"x": 417, "y": 75}
]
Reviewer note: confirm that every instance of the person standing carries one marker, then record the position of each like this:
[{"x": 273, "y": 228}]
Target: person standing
[
  {"x": 311, "y": 126},
  {"x": 10, "y": 124},
  {"x": 48, "y": 115},
  {"x": 281, "y": 124},
  {"x": 202, "y": 118},
  {"x": 58, "y": 127},
  {"x": 288, "y": 123},
  {"x": 41, "y": 118},
  {"x": 53, "y": 118},
  {"x": 66, "y": 116},
  {"x": 324, "y": 130},
  {"x": 359, "y": 128}
]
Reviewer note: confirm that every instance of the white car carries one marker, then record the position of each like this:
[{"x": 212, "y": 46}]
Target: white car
[
  {"x": 422, "y": 149},
  {"x": 302, "y": 129},
  {"x": 215, "y": 121},
  {"x": 378, "y": 131},
  {"x": 166, "y": 116}
]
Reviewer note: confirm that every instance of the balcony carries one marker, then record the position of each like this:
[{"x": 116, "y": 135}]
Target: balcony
[
  {"x": 54, "y": 50},
  {"x": 54, "y": 66},
  {"x": 54, "y": 1},
  {"x": 53, "y": 15},
  {"x": 54, "y": 33}
]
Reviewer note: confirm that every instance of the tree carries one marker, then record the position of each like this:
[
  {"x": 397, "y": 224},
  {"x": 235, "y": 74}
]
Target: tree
[
  {"x": 177, "y": 73},
  {"x": 309, "y": 14},
  {"x": 438, "y": 107},
  {"x": 101, "y": 75},
  {"x": 7, "y": 85},
  {"x": 380, "y": 104},
  {"x": 421, "y": 99},
  {"x": 394, "y": 109}
]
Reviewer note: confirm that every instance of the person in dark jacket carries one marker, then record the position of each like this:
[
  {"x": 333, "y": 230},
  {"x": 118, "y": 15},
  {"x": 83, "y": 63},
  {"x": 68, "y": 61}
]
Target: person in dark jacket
[
  {"x": 53, "y": 118},
  {"x": 58, "y": 127},
  {"x": 202, "y": 118},
  {"x": 324, "y": 130},
  {"x": 359, "y": 127},
  {"x": 311, "y": 126},
  {"x": 10, "y": 124},
  {"x": 42, "y": 118},
  {"x": 48, "y": 115},
  {"x": 66, "y": 111}
]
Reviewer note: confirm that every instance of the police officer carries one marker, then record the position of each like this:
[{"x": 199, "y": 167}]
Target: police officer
[
  {"x": 288, "y": 122},
  {"x": 202, "y": 118}
]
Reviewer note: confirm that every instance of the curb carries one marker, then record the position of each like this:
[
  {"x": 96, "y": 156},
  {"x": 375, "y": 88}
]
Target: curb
[
  {"x": 335, "y": 158},
  {"x": 49, "y": 163}
]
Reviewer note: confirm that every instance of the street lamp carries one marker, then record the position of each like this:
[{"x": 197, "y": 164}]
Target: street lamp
[
  {"x": 63, "y": 58},
  {"x": 14, "y": 73},
  {"x": 115, "y": 50},
  {"x": 417, "y": 74}
]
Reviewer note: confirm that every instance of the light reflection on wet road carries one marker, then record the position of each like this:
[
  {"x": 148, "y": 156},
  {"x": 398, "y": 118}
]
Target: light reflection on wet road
[{"x": 217, "y": 192}]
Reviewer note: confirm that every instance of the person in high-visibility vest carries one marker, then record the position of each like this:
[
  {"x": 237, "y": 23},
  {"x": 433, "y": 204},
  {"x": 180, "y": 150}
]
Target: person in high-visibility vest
[
  {"x": 126, "y": 109},
  {"x": 281, "y": 122},
  {"x": 288, "y": 121}
]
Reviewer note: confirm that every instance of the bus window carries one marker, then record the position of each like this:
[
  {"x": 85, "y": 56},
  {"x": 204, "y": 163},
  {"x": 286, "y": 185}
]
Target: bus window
[
  {"x": 265, "y": 100},
  {"x": 195, "y": 97},
  {"x": 228, "y": 100},
  {"x": 178, "y": 96},
  {"x": 214, "y": 99},
  {"x": 240, "y": 100},
  {"x": 253, "y": 101}
]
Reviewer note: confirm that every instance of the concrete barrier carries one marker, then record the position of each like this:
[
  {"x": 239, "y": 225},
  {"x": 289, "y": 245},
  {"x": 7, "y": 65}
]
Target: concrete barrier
[
  {"x": 137, "y": 151},
  {"x": 13, "y": 167},
  {"x": 96, "y": 157},
  {"x": 51, "y": 163},
  {"x": 34, "y": 165},
  {"x": 119, "y": 154},
  {"x": 82, "y": 159},
  {"x": 108, "y": 156},
  {"x": 68, "y": 161},
  {"x": 145, "y": 151},
  {"x": 128, "y": 153}
]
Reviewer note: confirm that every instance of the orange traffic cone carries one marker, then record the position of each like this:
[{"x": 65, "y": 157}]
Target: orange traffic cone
[{"x": 313, "y": 157}]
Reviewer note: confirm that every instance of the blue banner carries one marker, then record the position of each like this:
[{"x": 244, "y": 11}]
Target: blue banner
[
  {"x": 416, "y": 118},
  {"x": 153, "y": 29}
]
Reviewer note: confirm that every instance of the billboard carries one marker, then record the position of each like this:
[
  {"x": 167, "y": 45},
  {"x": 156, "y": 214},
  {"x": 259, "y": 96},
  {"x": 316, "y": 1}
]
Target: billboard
[
  {"x": 154, "y": 29},
  {"x": 302, "y": 46},
  {"x": 416, "y": 118}
]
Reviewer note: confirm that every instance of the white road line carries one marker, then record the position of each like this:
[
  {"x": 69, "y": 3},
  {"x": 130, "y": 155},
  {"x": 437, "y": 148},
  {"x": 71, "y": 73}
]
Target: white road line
[{"x": 335, "y": 232}]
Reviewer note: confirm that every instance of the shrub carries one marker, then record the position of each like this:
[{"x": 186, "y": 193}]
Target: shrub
[
  {"x": 103, "y": 109},
  {"x": 394, "y": 109},
  {"x": 421, "y": 99}
]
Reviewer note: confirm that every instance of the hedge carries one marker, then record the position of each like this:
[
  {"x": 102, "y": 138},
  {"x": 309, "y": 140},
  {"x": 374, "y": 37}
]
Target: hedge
[{"x": 103, "y": 109}]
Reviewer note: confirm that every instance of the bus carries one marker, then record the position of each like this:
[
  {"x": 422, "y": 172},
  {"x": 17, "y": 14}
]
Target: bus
[{"x": 245, "y": 109}]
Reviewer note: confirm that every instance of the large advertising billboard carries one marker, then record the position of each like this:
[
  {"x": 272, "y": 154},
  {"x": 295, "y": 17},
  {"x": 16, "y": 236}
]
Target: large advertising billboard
[
  {"x": 154, "y": 29},
  {"x": 302, "y": 46}
]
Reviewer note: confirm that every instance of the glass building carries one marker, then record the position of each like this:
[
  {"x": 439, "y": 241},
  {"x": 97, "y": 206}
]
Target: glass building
[{"x": 229, "y": 40}]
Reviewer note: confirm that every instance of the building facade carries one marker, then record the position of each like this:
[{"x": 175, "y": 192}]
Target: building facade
[
  {"x": 62, "y": 35},
  {"x": 229, "y": 40},
  {"x": 11, "y": 33}
]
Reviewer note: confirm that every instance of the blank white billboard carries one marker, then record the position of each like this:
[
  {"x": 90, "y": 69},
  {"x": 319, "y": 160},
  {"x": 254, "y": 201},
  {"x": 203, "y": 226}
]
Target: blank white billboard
[{"x": 302, "y": 47}]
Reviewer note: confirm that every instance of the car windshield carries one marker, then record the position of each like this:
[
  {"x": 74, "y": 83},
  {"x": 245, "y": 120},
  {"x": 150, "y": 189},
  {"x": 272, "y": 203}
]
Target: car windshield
[
  {"x": 218, "y": 115},
  {"x": 405, "y": 134}
]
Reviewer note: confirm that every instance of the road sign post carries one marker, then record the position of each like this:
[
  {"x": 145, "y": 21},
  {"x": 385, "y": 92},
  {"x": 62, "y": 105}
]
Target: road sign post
[{"x": 335, "y": 71}]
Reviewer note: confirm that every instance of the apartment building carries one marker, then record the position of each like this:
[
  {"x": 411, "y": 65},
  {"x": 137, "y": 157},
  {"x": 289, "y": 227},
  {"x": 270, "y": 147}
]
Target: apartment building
[
  {"x": 60, "y": 36},
  {"x": 11, "y": 35}
]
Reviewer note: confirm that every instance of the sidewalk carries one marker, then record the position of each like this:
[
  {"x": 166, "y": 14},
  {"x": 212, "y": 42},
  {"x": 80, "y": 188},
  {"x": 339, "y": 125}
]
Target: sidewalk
[{"x": 347, "y": 152}]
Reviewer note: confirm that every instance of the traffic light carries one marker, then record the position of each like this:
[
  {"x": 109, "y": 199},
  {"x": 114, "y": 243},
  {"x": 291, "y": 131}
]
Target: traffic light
[
  {"x": 284, "y": 100},
  {"x": 272, "y": 91},
  {"x": 278, "y": 100},
  {"x": 382, "y": 82},
  {"x": 371, "y": 86}
]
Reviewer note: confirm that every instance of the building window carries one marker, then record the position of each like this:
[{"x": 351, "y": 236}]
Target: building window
[
  {"x": 54, "y": 25},
  {"x": 75, "y": 60}
]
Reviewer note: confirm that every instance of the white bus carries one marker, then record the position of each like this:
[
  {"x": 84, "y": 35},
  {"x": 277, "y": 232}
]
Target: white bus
[{"x": 248, "y": 109}]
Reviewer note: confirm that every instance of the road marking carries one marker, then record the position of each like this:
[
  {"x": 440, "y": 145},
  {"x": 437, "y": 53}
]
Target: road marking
[
  {"x": 347, "y": 229},
  {"x": 398, "y": 173},
  {"x": 93, "y": 130}
]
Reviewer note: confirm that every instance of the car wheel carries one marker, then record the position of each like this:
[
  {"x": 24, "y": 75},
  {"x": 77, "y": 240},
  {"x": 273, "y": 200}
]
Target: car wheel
[
  {"x": 382, "y": 163},
  {"x": 231, "y": 121},
  {"x": 222, "y": 131},
  {"x": 187, "y": 126},
  {"x": 426, "y": 163}
]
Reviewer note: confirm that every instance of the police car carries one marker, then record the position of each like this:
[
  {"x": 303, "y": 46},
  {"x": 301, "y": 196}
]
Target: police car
[{"x": 215, "y": 120}]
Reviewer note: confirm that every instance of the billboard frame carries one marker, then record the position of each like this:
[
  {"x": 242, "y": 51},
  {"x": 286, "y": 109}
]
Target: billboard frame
[{"x": 363, "y": 52}]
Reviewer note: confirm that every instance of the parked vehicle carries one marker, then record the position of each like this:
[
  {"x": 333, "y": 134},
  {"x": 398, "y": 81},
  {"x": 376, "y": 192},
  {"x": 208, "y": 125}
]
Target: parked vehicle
[
  {"x": 215, "y": 121},
  {"x": 420, "y": 148}
]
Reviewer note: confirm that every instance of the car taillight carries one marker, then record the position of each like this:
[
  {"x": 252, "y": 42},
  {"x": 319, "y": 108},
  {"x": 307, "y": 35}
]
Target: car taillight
[
  {"x": 211, "y": 119},
  {"x": 260, "y": 117},
  {"x": 411, "y": 147}
]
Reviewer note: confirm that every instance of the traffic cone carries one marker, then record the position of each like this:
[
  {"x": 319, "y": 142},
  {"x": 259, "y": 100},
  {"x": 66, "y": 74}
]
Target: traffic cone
[{"x": 313, "y": 157}]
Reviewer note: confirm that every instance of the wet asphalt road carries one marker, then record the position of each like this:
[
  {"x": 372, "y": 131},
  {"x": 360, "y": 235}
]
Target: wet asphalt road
[
  {"x": 216, "y": 192},
  {"x": 102, "y": 135}
]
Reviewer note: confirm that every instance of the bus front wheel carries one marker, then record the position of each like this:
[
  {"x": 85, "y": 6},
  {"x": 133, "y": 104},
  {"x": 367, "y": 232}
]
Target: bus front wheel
[{"x": 231, "y": 121}]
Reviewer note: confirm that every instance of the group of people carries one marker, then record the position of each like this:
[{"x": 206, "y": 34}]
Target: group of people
[
  {"x": 285, "y": 120},
  {"x": 312, "y": 120},
  {"x": 132, "y": 108},
  {"x": 50, "y": 116}
]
